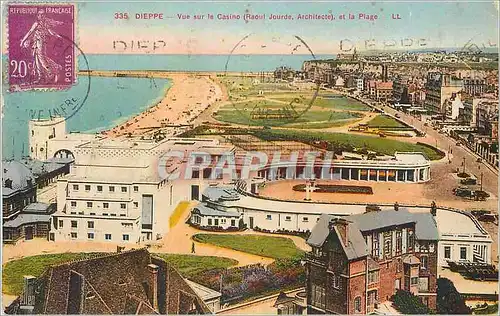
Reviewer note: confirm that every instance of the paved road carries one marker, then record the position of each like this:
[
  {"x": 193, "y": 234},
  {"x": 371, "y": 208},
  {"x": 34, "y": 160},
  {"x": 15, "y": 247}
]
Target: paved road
[{"x": 458, "y": 153}]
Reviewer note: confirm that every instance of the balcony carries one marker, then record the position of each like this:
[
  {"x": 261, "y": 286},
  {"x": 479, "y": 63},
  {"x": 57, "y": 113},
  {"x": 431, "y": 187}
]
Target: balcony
[{"x": 320, "y": 260}]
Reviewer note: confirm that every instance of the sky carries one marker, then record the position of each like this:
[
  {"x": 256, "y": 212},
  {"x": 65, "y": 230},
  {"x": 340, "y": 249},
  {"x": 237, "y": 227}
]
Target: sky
[{"x": 437, "y": 24}]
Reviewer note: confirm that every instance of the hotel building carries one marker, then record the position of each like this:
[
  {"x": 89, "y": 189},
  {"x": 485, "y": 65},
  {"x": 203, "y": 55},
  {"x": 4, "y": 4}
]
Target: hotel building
[{"x": 360, "y": 261}]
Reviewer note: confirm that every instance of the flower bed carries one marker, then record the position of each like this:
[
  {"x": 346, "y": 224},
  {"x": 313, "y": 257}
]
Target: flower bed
[
  {"x": 303, "y": 234},
  {"x": 217, "y": 228},
  {"x": 335, "y": 188},
  {"x": 243, "y": 283}
]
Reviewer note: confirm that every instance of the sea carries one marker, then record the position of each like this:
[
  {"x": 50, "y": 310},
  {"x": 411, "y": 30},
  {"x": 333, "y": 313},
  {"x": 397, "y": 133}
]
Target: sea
[{"x": 111, "y": 101}]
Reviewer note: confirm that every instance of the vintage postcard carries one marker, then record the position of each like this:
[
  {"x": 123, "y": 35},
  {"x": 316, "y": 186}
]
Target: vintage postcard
[{"x": 250, "y": 157}]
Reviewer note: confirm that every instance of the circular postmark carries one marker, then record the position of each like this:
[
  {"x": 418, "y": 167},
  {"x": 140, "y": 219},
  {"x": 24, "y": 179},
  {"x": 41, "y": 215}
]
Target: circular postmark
[
  {"x": 271, "y": 93},
  {"x": 62, "y": 103}
]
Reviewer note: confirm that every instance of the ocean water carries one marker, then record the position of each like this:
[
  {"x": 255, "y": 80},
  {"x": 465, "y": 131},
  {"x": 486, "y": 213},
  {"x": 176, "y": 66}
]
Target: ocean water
[{"x": 114, "y": 100}]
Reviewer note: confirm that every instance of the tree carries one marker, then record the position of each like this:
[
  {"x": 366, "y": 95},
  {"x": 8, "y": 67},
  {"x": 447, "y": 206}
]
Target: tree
[
  {"x": 449, "y": 301},
  {"x": 407, "y": 303}
]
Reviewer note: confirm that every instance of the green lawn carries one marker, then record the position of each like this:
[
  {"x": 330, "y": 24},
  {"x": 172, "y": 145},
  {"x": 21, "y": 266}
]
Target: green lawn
[
  {"x": 384, "y": 121},
  {"x": 272, "y": 247},
  {"x": 13, "y": 271},
  {"x": 323, "y": 101},
  {"x": 346, "y": 141},
  {"x": 190, "y": 265}
]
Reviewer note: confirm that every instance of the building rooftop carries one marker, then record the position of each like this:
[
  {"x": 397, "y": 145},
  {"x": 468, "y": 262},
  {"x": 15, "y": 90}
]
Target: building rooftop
[
  {"x": 411, "y": 158},
  {"x": 221, "y": 193},
  {"x": 22, "y": 219},
  {"x": 208, "y": 211},
  {"x": 118, "y": 283},
  {"x": 425, "y": 226},
  {"x": 204, "y": 292},
  {"x": 16, "y": 177},
  {"x": 458, "y": 224},
  {"x": 37, "y": 207},
  {"x": 356, "y": 247},
  {"x": 38, "y": 167}
]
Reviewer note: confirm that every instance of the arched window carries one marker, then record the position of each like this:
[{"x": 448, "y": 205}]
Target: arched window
[{"x": 357, "y": 304}]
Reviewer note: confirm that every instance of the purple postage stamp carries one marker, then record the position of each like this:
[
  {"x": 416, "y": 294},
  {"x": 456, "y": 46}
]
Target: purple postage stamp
[{"x": 41, "y": 46}]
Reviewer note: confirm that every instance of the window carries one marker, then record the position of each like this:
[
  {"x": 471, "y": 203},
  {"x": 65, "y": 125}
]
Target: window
[
  {"x": 269, "y": 217},
  {"x": 90, "y": 224},
  {"x": 357, "y": 304},
  {"x": 61, "y": 223},
  {"x": 112, "y": 214},
  {"x": 209, "y": 221},
  {"x": 107, "y": 236},
  {"x": 375, "y": 249},
  {"x": 125, "y": 237},
  {"x": 305, "y": 219},
  {"x": 223, "y": 221},
  {"x": 81, "y": 213},
  {"x": 89, "y": 204},
  {"x": 447, "y": 252},
  {"x": 105, "y": 205},
  {"x": 414, "y": 281},
  {"x": 372, "y": 277},
  {"x": 73, "y": 203},
  {"x": 99, "y": 188},
  {"x": 136, "y": 204},
  {"x": 424, "y": 263},
  {"x": 75, "y": 187},
  {"x": 336, "y": 281},
  {"x": 233, "y": 222},
  {"x": 74, "y": 235},
  {"x": 90, "y": 235},
  {"x": 74, "y": 224},
  {"x": 123, "y": 205},
  {"x": 463, "y": 253},
  {"x": 399, "y": 242},
  {"x": 92, "y": 213},
  {"x": 318, "y": 296},
  {"x": 388, "y": 244},
  {"x": 105, "y": 214},
  {"x": 136, "y": 188},
  {"x": 423, "y": 284},
  {"x": 399, "y": 265},
  {"x": 87, "y": 187},
  {"x": 410, "y": 241},
  {"x": 288, "y": 218},
  {"x": 111, "y": 189},
  {"x": 124, "y": 189},
  {"x": 123, "y": 214}
]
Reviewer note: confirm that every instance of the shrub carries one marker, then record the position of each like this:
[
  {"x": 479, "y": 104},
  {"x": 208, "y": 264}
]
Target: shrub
[
  {"x": 448, "y": 299},
  {"x": 407, "y": 303},
  {"x": 463, "y": 175}
]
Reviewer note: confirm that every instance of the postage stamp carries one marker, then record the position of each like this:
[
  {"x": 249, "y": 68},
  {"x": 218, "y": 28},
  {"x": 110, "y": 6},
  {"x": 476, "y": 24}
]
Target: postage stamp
[{"x": 41, "y": 52}]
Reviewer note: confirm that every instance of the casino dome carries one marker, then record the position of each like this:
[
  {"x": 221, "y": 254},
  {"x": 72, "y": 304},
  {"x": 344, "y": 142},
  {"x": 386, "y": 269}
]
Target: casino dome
[{"x": 16, "y": 176}]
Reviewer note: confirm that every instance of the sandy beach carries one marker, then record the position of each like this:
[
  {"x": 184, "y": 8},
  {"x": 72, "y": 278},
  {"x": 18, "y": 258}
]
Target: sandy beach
[{"x": 186, "y": 99}]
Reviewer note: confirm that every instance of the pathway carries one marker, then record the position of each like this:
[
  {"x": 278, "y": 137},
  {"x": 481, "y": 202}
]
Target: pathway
[{"x": 178, "y": 240}]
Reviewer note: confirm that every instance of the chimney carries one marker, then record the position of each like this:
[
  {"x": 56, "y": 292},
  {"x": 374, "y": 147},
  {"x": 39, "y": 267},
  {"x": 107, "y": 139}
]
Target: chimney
[
  {"x": 153, "y": 285},
  {"x": 342, "y": 226},
  {"x": 28, "y": 298},
  {"x": 396, "y": 206},
  {"x": 433, "y": 208}
]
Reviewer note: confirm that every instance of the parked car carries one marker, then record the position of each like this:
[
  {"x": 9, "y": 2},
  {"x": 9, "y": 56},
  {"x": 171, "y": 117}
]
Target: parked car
[
  {"x": 397, "y": 115},
  {"x": 479, "y": 160},
  {"x": 458, "y": 144},
  {"x": 477, "y": 213},
  {"x": 468, "y": 181}
]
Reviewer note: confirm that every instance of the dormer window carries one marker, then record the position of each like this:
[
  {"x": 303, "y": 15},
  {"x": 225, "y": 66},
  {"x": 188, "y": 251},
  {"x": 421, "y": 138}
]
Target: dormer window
[{"x": 8, "y": 183}]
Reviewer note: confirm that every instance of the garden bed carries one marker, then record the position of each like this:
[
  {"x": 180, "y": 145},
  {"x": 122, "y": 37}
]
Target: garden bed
[
  {"x": 246, "y": 283},
  {"x": 217, "y": 228},
  {"x": 302, "y": 234},
  {"x": 336, "y": 188}
]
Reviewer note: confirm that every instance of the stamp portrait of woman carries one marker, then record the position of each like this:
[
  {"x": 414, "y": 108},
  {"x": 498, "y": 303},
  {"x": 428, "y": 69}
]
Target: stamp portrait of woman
[{"x": 45, "y": 70}]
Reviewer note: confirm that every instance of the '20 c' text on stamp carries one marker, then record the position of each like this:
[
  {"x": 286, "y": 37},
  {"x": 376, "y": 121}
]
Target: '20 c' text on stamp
[{"x": 41, "y": 46}]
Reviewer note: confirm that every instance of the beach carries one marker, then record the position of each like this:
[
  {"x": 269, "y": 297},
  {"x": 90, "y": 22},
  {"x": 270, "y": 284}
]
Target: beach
[{"x": 185, "y": 100}]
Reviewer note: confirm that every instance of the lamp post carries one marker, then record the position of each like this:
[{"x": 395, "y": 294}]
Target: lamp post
[
  {"x": 464, "y": 166},
  {"x": 481, "y": 181}
]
